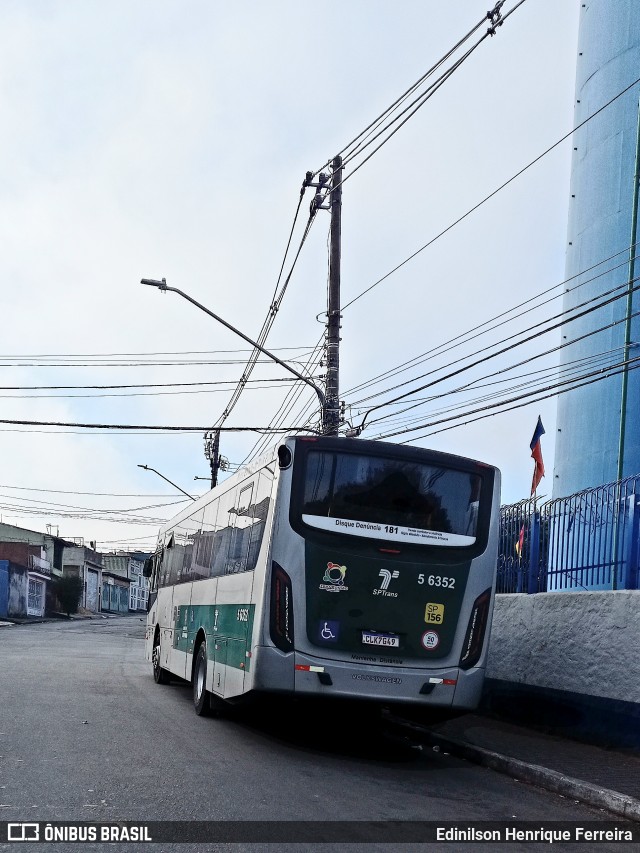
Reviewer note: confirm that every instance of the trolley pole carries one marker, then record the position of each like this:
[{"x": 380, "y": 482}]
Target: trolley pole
[{"x": 331, "y": 410}]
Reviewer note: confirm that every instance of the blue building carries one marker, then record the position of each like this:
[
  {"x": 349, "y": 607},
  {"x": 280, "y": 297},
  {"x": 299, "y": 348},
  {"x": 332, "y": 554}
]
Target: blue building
[{"x": 600, "y": 227}]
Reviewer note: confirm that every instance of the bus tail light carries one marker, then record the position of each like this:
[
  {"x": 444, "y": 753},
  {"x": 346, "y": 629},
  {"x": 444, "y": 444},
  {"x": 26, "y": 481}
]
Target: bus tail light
[
  {"x": 281, "y": 616},
  {"x": 476, "y": 629}
]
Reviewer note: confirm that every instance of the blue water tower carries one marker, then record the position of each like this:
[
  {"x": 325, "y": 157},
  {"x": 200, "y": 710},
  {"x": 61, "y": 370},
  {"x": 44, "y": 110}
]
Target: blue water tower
[{"x": 598, "y": 427}]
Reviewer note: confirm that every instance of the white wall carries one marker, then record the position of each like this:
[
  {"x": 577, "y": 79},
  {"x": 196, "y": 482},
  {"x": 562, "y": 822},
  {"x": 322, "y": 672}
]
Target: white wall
[{"x": 582, "y": 642}]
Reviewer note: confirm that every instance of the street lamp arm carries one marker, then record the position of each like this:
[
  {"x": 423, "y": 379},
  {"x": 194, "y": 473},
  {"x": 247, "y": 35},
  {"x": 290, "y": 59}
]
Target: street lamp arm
[
  {"x": 162, "y": 285},
  {"x": 175, "y": 485}
]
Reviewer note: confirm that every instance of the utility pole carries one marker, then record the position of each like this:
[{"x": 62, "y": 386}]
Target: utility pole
[
  {"x": 212, "y": 453},
  {"x": 331, "y": 411}
]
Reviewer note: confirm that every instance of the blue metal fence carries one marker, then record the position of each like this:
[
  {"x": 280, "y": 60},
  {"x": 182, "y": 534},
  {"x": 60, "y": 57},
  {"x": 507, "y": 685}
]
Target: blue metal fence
[{"x": 587, "y": 541}]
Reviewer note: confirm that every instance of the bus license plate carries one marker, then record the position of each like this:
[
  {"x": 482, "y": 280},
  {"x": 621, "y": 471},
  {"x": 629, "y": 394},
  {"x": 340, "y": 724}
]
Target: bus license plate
[{"x": 380, "y": 639}]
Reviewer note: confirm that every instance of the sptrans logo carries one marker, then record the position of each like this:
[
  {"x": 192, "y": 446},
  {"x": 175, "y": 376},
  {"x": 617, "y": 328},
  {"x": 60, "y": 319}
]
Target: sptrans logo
[
  {"x": 334, "y": 578},
  {"x": 387, "y": 577}
]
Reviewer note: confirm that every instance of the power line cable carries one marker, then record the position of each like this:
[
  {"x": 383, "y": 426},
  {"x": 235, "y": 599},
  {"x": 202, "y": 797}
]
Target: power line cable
[
  {"x": 563, "y": 322},
  {"x": 132, "y": 394},
  {"x": 528, "y": 360},
  {"x": 114, "y": 364},
  {"x": 138, "y": 385},
  {"x": 468, "y": 336},
  {"x": 289, "y": 401},
  {"x": 103, "y": 355},
  {"x": 91, "y": 494},
  {"x": 271, "y": 315},
  {"x": 520, "y": 405},
  {"x": 42, "y": 501},
  {"x": 491, "y": 195},
  {"x": 532, "y": 378},
  {"x": 185, "y": 429},
  {"x": 507, "y": 401},
  {"x": 346, "y": 150}
]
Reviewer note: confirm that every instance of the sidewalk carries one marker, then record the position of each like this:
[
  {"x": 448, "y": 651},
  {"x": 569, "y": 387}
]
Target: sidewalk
[
  {"x": 53, "y": 617},
  {"x": 607, "y": 779}
]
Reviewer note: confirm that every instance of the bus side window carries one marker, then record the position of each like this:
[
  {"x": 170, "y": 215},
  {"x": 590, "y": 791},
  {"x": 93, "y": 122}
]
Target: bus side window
[
  {"x": 206, "y": 548},
  {"x": 224, "y": 529},
  {"x": 198, "y": 568},
  {"x": 259, "y": 512},
  {"x": 239, "y": 544},
  {"x": 183, "y": 548},
  {"x": 164, "y": 572}
]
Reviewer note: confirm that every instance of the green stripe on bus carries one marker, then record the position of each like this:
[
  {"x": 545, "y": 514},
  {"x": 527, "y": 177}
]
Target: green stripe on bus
[{"x": 227, "y": 626}]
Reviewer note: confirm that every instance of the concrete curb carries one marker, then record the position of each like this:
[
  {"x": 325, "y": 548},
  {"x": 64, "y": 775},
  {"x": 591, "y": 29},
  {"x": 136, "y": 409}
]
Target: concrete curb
[{"x": 593, "y": 795}]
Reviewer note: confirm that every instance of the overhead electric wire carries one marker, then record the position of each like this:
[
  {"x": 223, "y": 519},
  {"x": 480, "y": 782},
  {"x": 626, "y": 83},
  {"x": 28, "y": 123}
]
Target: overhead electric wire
[
  {"x": 610, "y": 371},
  {"x": 480, "y": 382},
  {"x": 137, "y": 385},
  {"x": 103, "y": 355},
  {"x": 286, "y": 406},
  {"x": 170, "y": 429},
  {"x": 517, "y": 364},
  {"x": 358, "y": 143},
  {"x": 19, "y": 512},
  {"x": 521, "y": 380},
  {"x": 520, "y": 405},
  {"x": 216, "y": 363},
  {"x": 290, "y": 400},
  {"x": 564, "y": 321},
  {"x": 274, "y": 307},
  {"x": 412, "y": 109},
  {"x": 50, "y": 504},
  {"x": 132, "y": 434},
  {"x": 132, "y": 394},
  {"x": 531, "y": 378},
  {"x": 496, "y": 20},
  {"x": 91, "y": 494},
  {"x": 417, "y": 103},
  {"x": 422, "y": 99},
  {"x": 116, "y": 541},
  {"x": 491, "y": 195},
  {"x": 466, "y": 337},
  {"x": 364, "y": 133}
]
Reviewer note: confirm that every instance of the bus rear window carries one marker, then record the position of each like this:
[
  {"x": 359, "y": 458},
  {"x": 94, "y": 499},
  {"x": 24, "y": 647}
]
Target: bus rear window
[{"x": 394, "y": 499}]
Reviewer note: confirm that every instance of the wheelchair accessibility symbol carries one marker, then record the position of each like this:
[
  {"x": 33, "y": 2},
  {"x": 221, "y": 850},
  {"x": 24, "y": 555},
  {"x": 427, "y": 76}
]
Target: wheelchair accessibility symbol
[{"x": 328, "y": 631}]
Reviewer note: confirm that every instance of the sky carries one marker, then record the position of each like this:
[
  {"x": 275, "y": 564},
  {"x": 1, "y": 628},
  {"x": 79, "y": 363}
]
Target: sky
[{"x": 162, "y": 139}]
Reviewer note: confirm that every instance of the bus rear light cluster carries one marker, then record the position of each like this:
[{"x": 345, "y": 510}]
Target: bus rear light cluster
[
  {"x": 476, "y": 629},
  {"x": 281, "y": 616}
]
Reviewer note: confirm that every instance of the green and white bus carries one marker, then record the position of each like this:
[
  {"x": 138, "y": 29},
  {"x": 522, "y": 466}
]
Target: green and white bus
[{"x": 331, "y": 567}]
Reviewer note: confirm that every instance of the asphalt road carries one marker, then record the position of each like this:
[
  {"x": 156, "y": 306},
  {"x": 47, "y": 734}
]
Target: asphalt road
[{"x": 86, "y": 734}]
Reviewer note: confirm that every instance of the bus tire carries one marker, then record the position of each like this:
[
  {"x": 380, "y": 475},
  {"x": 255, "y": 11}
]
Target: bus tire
[
  {"x": 200, "y": 693},
  {"x": 160, "y": 675}
]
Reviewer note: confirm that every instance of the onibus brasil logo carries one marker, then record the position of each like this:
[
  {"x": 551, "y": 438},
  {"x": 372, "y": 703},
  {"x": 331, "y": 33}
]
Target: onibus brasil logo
[{"x": 334, "y": 578}]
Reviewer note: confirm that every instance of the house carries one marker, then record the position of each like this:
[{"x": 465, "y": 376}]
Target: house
[
  {"x": 85, "y": 563},
  {"x": 115, "y": 583},
  {"x": 116, "y": 568},
  {"x": 29, "y": 561},
  {"x": 139, "y": 591}
]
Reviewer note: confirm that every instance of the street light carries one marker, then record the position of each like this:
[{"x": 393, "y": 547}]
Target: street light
[
  {"x": 162, "y": 285},
  {"x": 148, "y": 468}
]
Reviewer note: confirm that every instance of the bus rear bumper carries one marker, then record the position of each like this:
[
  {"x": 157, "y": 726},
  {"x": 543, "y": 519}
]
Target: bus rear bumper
[
  {"x": 437, "y": 687},
  {"x": 303, "y": 675}
]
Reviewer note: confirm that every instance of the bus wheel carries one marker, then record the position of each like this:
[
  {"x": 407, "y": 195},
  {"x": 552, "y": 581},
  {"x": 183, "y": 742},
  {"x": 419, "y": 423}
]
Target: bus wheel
[
  {"x": 200, "y": 695},
  {"x": 160, "y": 675}
]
